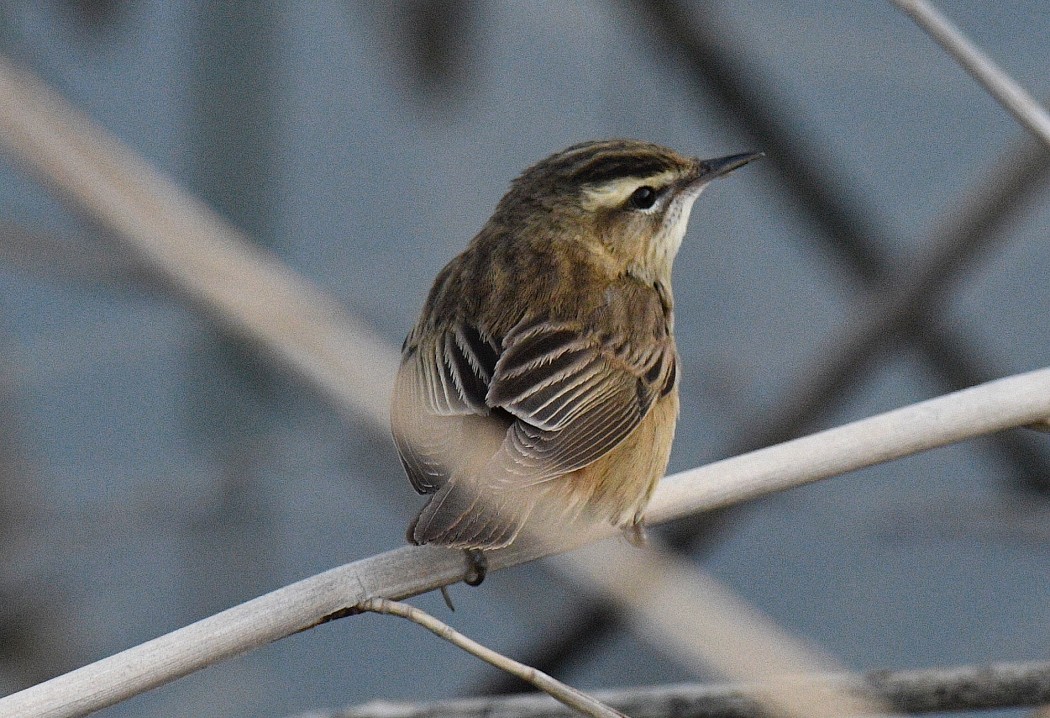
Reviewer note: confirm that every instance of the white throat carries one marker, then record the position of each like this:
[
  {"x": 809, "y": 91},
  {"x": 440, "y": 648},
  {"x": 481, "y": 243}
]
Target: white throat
[{"x": 668, "y": 240}]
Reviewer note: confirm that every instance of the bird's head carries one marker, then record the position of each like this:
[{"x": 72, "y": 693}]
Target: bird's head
[{"x": 627, "y": 199}]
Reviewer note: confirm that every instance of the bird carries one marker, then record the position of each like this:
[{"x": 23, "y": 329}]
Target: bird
[{"x": 538, "y": 389}]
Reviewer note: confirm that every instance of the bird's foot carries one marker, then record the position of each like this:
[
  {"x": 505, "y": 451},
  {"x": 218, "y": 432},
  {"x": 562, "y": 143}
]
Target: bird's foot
[
  {"x": 477, "y": 567},
  {"x": 636, "y": 535}
]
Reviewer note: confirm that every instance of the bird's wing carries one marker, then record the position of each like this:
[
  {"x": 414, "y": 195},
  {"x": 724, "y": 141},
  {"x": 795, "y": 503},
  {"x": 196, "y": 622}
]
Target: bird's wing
[
  {"x": 440, "y": 385},
  {"x": 477, "y": 423},
  {"x": 574, "y": 396}
]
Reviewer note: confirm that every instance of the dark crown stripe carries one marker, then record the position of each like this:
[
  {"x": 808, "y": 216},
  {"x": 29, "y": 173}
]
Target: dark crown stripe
[{"x": 614, "y": 166}]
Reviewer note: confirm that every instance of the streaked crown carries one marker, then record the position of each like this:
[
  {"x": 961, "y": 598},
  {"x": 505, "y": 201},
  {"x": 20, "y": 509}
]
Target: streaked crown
[{"x": 599, "y": 166}]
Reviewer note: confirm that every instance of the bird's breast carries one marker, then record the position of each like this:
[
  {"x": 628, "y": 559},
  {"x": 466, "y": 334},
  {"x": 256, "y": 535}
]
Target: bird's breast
[{"x": 617, "y": 487}]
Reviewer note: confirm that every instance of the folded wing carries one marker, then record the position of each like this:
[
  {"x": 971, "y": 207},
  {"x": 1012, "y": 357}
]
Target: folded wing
[{"x": 478, "y": 422}]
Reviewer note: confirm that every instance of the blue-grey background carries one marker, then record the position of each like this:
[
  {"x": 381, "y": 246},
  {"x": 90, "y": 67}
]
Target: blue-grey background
[{"x": 155, "y": 470}]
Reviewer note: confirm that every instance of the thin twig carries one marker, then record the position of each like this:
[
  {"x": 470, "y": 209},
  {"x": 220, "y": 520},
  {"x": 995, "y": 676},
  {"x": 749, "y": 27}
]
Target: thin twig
[
  {"x": 561, "y": 692},
  {"x": 929, "y": 690},
  {"x": 999, "y": 84}
]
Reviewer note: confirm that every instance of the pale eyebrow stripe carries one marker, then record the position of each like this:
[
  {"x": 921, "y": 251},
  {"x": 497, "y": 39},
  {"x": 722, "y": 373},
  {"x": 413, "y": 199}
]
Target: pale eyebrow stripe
[{"x": 616, "y": 192}]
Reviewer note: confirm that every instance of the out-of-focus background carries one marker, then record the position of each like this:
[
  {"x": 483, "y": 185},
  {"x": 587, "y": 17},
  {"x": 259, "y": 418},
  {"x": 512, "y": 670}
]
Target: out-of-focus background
[{"x": 155, "y": 469}]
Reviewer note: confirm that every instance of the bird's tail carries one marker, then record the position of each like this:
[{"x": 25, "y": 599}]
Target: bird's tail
[{"x": 458, "y": 517}]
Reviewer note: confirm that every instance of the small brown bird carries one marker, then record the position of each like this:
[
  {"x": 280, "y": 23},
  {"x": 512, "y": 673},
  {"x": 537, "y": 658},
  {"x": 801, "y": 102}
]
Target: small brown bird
[{"x": 540, "y": 386}]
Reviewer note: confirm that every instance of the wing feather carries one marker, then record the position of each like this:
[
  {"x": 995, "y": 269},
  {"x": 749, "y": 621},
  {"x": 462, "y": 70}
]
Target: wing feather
[
  {"x": 440, "y": 388},
  {"x": 575, "y": 399}
]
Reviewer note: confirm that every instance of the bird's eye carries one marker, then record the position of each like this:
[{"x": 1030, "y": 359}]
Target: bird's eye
[{"x": 642, "y": 198}]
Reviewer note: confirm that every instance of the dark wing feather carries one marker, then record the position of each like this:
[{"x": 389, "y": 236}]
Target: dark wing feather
[
  {"x": 441, "y": 384},
  {"x": 575, "y": 399},
  {"x": 417, "y": 430}
]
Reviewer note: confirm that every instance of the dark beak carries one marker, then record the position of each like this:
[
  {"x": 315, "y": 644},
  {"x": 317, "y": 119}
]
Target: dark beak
[{"x": 712, "y": 169}]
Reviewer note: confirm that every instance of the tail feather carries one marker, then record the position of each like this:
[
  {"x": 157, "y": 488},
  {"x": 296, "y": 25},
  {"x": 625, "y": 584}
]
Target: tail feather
[{"x": 456, "y": 517}]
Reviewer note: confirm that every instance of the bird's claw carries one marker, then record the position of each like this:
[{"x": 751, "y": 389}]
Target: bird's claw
[{"x": 477, "y": 567}]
